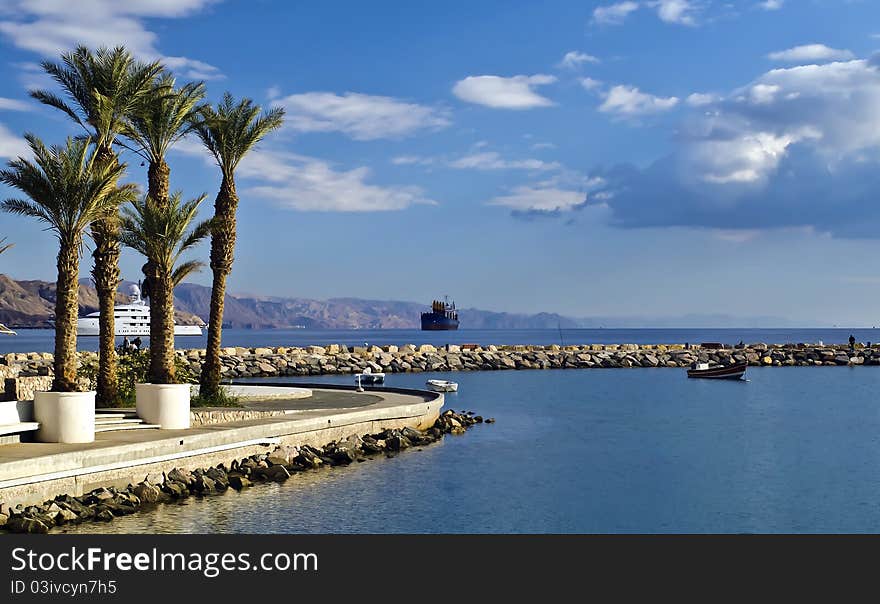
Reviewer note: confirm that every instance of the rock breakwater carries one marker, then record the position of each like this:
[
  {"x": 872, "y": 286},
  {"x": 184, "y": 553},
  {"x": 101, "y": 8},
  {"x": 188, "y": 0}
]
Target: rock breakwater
[
  {"x": 337, "y": 359},
  {"x": 107, "y": 503}
]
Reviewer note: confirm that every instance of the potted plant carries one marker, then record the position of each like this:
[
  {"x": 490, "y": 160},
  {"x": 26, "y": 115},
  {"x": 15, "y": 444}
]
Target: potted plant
[
  {"x": 163, "y": 233},
  {"x": 67, "y": 189}
]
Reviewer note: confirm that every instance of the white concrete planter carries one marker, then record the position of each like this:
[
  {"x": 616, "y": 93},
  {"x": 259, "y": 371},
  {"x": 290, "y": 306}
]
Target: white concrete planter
[
  {"x": 164, "y": 404},
  {"x": 65, "y": 417}
]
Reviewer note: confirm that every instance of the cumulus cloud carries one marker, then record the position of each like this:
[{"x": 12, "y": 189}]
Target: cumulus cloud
[
  {"x": 50, "y": 27},
  {"x": 590, "y": 84},
  {"x": 498, "y": 92},
  {"x": 699, "y": 99},
  {"x": 810, "y": 52},
  {"x": 796, "y": 147},
  {"x": 614, "y": 14},
  {"x": 308, "y": 184},
  {"x": 629, "y": 101},
  {"x": 680, "y": 12},
  {"x": 574, "y": 59},
  {"x": 360, "y": 116}
]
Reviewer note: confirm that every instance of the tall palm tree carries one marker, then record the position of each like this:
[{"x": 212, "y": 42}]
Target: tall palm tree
[
  {"x": 228, "y": 132},
  {"x": 67, "y": 188},
  {"x": 161, "y": 119},
  {"x": 102, "y": 89},
  {"x": 163, "y": 233}
]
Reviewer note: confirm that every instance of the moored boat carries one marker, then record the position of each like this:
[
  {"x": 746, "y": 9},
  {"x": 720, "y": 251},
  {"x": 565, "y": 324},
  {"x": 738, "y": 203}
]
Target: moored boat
[
  {"x": 368, "y": 377},
  {"x": 442, "y": 385},
  {"x": 718, "y": 372},
  {"x": 6, "y": 331},
  {"x": 132, "y": 319}
]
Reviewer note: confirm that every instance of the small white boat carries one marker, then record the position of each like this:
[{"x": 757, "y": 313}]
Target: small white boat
[
  {"x": 442, "y": 385},
  {"x": 368, "y": 377},
  {"x": 6, "y": 331}
]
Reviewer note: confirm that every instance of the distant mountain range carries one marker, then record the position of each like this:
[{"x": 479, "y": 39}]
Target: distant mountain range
[{"x": 31, "y": 304}]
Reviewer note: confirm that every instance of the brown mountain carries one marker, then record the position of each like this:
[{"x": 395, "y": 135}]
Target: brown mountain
[{"x": 27, "y": 304}]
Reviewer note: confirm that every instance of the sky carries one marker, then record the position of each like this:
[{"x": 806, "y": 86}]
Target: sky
[{"x": 632, "y": 158}]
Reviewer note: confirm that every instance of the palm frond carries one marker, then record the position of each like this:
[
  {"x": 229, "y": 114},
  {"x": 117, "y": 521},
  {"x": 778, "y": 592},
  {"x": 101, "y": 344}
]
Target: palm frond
[{"x": 182, "y": 271}]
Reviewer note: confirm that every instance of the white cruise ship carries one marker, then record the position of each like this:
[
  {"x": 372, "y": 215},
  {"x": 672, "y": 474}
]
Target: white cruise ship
[{"x": 132, "y": 319}]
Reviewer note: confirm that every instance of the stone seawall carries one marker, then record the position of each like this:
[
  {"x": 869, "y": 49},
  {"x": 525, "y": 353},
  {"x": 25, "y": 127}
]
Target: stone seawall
[{"x": 337, "y": 359}]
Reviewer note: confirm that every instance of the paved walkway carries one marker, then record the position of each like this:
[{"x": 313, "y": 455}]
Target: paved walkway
[{"x": 325, "y": 410}]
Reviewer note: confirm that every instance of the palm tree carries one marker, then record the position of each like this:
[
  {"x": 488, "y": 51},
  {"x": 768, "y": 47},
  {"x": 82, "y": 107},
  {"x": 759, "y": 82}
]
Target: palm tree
[
  {"x": 5, "y": 247},
  {"x": 162, "y": 233},
  {"x": 162, "y": 118},
  {"x": 67, "y": 188},
  {"x": 102, "y": 88},
  {"x": 228, "y": 132}
]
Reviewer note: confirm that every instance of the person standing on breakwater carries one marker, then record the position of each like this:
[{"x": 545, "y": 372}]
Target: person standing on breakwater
[{"x": 852, "y": 342}]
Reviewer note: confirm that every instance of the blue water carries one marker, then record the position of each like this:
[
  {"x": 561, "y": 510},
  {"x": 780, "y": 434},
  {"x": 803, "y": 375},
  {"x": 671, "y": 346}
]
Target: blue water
[
  {"x": 42, "y": 340},
  {"x": 595, "y": 451}
]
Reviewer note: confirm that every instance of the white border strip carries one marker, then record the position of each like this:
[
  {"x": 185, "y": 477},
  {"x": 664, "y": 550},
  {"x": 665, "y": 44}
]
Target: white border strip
[{"x": 17, "y": 482}]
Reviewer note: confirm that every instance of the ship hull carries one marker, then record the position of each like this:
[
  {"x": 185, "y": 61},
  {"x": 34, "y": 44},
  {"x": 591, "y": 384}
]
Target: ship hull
[
  {"x": 435, "y": 322},
  {"x": 88, "y": 326}
]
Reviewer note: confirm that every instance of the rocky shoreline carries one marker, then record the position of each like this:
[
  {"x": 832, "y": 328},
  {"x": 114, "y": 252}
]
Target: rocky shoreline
[
  {"x": 338, "y": 359},
  {"x": 105, "y": 504}
]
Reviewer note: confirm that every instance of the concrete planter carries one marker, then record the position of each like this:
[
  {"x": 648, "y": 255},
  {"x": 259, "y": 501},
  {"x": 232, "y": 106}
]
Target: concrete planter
[
  {"x": 164, "y": 404},
  {"x": 65, "y": 417}
]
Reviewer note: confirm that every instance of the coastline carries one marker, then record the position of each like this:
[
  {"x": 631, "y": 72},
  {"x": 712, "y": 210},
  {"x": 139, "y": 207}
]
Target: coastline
[{"x": 23, "y": 373}]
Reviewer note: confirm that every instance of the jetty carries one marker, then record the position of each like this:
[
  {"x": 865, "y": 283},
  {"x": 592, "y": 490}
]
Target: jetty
[{"x": 32, "y": 472}]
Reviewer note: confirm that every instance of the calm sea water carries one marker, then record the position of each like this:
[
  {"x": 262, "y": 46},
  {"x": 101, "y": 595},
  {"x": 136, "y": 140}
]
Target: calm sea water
[
  {"x": 42, "y": 340},
  {"x": 595, "y": 451}
]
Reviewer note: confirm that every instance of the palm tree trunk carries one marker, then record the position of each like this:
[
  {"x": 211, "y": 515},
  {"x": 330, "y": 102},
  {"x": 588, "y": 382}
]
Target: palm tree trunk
[
  {"x": 158, "y": 178},
  {"x": 105, "y": 271},
  {"x": 222, "y": 255},
  {"x": 66, "y": 312},
  {"x": 105, "y": 234},
  {"x": 158, "y": 182},
  {"x": 162, "y": 348}
]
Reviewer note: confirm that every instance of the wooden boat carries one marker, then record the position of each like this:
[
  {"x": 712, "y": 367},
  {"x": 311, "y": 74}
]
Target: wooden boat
[
  {"x": 442, "y": 385},
  {"x": 719, "y": 372}
]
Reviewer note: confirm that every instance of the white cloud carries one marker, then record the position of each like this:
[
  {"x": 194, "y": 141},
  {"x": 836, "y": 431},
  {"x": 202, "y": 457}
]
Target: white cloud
[
  {"x": 13, "y": 105},
  {"x": 614, "y": 14},
  {"x": 699, "y": 99},
  {"x": 629, "y": 101},
  {"x": 542, "y": 198},
  {"x": 50, "y": 27},
  {"x": 540, "y": 146},
  {"x": 308, "y": 184},
  {"x": 680, "y": 12},
  {"x": 498, "y": 92},
  {"x": 796, "y": 147},
  {"x": 771, "y": 4},
  {"x": 490, "y": 160},
  {"x": 483, "y": 160},
  {"x": 412, "y": 160},
  {"x": 575, "y": 58},
  {"x": 811, "y": 52},
  {"x": 360, "y": 116},
  {"x": 12, "y": 146},
  {"x": 590, "y": 84}
]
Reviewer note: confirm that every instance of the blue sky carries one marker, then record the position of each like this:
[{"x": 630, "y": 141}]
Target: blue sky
[{"x": 591, "y": 158}]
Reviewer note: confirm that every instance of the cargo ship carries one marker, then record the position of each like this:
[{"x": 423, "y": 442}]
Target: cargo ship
[{"x": 443, "y": 317}]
